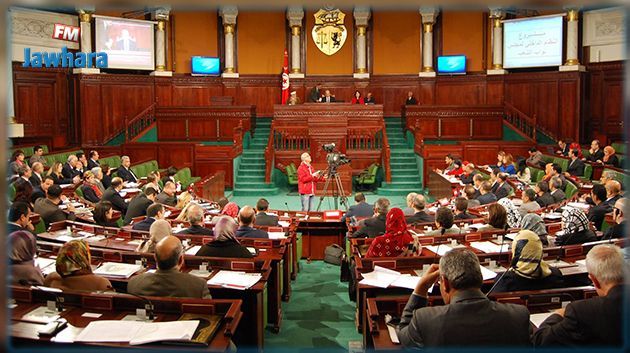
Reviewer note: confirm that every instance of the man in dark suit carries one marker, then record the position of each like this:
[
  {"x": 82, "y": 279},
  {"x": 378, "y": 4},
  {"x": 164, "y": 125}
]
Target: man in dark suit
[
  {"x": 576, "y": 166},
  {"x": 613, "y": 192},
  {"x": 167, "y": 196},
  {"x": 461, "y": 209},
  {"x": 112, "y": 194},
  {"x": 245, "y": 229},
  {"x": 556, "y": 171},
  {"x": 486, "y": 196},
  {"x": 597, "y": 321},
  {"x": 375, "y": 226},
  {"x": 313, "y": 95},
  {"x": 139, "y": 204},
  {"x": 471, "y": 196},
  {"x": 168, "y": 280},
  {"x": 69, "y": 170},
  {"x": 154, "y": 212},
  {"x": 93, "y": 161},
  {"x": 369, "y": 99},
  {"x": 618, "y": 230},
  {"x": 19, "y": 218},
  {"x": 555, "y": 185},
  {"x": 469, "y": 174},
  {"x": 195, "y": 218},
  {"x": 468, "y": 317},
  {"x": 595, "y": 153},
  {"x": 597, "y": 213},
  {"x": 362, "y": 209},
  {"x": 48, "y": 208},
  {"x": 262, "y": 218},
  {"x": 327, "y": 98},
  {"x": 419, "y": 216},
  {"x": 125, "y": 172},
  {"x": 40, "y": 190},
  {"x": 564, "y": 147},
  {"x": 543, "y": 197},
  {"x": 411, "y": 100},
  {"x": 503, "y": 187},
  {"x": 37, "y": 172}
]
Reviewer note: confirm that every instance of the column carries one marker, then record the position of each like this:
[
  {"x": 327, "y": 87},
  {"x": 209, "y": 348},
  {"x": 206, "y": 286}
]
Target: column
[
  {"x": 13, "y": 129},
  {"x": 229, "y": 13},
  {"x": 573, "y": 62},
  {"x": 429, "y": 14},
  {"x": 361, "y": 20},
  {"x": 496, "y": 20},
  {"x": 85, "y": 22},
  {"x": 295, "y": 14},
  {"x": 161, "y": 15}
]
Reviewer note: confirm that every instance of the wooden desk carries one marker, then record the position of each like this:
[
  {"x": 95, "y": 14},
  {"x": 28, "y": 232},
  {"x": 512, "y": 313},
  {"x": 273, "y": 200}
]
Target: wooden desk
[
  {"x": 113, "y": 306},
  {"x": 455, "y": 122},
  {"x": 318, "y": 233},
  {"x": 440, "y": 187}
]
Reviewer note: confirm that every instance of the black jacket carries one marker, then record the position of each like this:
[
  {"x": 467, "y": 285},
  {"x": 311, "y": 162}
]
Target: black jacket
[
  {"x": 464, "y": 215},
  {"x": 249, "y": 232},
  {"x": 420, "y": 217},
  {"x": 127, "y": 174},
  {"x": 196, "y": 230},
  {"x": 597, "y": 156},
  {"x": 612, "y": 161},
  {"x": 226, "y": 248},
  {"x": 35, "y": 180},
  {"x": 137, "y": 207},
  {"x": 576, "y": 238},
  {"x": 362, "y": 209},
  {"x": 594, "y": 322},
  {"x": 264, "y": 219},
  {"x": 117, "y": 201},
  {"x": 576, "y": 168},
  {"x": 60, "y": 179},
  {"x": 165, "y": 199},
  {"x": 89, "y": 194},
  {"x": 69, "y": 172},
  {"x": 615, "y": 231},
  {"x": 144, "y": 225},
  {"x": 93, "y": 164},
  {"x": 558, "y": 196},
  {"x": 411, "y": 101},
  {"x": 37, "y": 193},
  {"x": 372, "y": 227},
  {"x": 503, "y": 190},
  {"x": 597, "y": 214},
  {"x": 511, "y": 282},
  {"x": 468, "y": 179},
  {"x": 545, "y": 200},
  {"x": 487, "y": 198}
]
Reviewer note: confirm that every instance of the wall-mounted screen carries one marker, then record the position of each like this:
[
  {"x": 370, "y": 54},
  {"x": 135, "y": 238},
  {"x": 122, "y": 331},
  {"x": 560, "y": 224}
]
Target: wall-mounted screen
[
  {"x": 532, "y": 42},
  {"x": 205, "y": 65},
  {"x": 129, "y": 44},
  {"x": 451, "y": 65}
]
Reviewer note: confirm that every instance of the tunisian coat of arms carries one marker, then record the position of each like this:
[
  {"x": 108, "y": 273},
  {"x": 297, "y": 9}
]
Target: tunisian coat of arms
[{"x": 329, "y": 33}]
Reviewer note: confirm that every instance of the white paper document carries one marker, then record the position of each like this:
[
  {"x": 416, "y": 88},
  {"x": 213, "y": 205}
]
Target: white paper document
[
  {"x": 489, "y": 247},
  {"x": 277, "y": 235},
  {"x": 136, "y": 332},
  {"x": 284, "y": 224},
  {"x": 442, "y": 249},
  {"x": 44, "y": 263},
  {"x": 538, "y": 319},
  {"x": 193, "y": 250},
  {"x": 116, "y": 269},
  {"x": 41, "y": 315},
  {"x": 392, "y": 335},
  {"x": 487, "y": 274},
  {"x": 406, "y": 281},
  {"x": 235, "y": 279},
  {"x": 381, "y": 277},
  {"x": 579, "y": 205}
]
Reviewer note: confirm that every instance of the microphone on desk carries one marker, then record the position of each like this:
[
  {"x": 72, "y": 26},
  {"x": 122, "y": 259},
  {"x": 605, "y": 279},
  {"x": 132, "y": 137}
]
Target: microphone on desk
[
  {"x": 59, "y": 300},
  {"x": 148, "y": 305},
  {"x": 517, "y": 253},
  {"x": 501, "y": 246}
]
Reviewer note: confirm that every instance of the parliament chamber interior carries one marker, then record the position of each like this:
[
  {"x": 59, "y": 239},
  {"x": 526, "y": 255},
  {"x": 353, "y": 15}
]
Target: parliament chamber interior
[{"x": 339, "y": 178}]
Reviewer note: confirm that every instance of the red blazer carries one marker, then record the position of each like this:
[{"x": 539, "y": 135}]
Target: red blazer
[
  {"x": 357, "y": 101},
  {"x": 306, "y": 182},
  {"x": 456, "y": 171}
]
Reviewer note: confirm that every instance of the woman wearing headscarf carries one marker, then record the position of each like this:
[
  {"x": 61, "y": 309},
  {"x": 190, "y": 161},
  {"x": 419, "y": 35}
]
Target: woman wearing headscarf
[
  {"x": 225, "y": 243},
  {"x": 159, "y": 230},
  {"x": 575, "y": 228},
  {"x": 610, "y": 158},
  {"x": 74, "y": 270},
  {"x": 396, "y": 238},
  {"x": 536, "y": 224},
  {"x": 528, "y": 270},
  {"x": 513, "y": 215},
  {"x": 22, "y": 250},
  {"x": 230, "y": 209}
]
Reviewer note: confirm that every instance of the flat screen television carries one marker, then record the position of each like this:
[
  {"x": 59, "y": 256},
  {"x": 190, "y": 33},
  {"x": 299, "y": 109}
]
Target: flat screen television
[
  {"x": 205, "y": 65},
  {"x": 451, "y": 65}
]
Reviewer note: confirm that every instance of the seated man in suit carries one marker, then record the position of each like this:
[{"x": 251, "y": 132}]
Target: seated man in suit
[
  {"x": 139, "y": 204},
  {"x": 19, "y": 218},
  {"x": 471, "y": 196},
  {"x": 597, "y": 321},
  {"x": 563, "y": 144},
  {"x": 408, "y": 211},
  {"x": 494, "y": 180},
  {"x": 327, "y": 98},
  {"x": 461, "y": 209},
  {"x": 37, "y": 174},
  {"x": 576, "y": 166},
  {"x": 556, "y": 171},
  {"x": 535, "y": 158},
  {"x": 245, "y": 220},
  {"x": 262, "y": 218},
  {"x": 112, "y": 194},
  {"x": 597, "y": 213},
  {"x": 361, "y": 209},
  {"x": 125, "y": 172},
  {"x": 69, "y": 170},
  {"x": 93, "y": 161},
  {"x": 419, "y": 216},
  {"x": 167, "y": 196},
  {"x": 595, "y": 152},
  {"x": 503, "y": 187},
  {"x": 48, "y": 208},
  {"x": 154, "y": 212},
  {"x": 468, "y": 317},
  {"x": 411, "y": 100},
  {"x": 375, "y": 226},
  {"x": 487, "y": 196},
  {"x": 618, "y": 230},
  {"x": 543, "y": 197},
  {"x": 469, "y": 173},
  {"x": 41, "y": 190},
  {"x": 168, "y": 280},
  {"x": 529, "y": 202},
  {"x": 555, "y": 185},
  {"x": 195, "y": 218},
  {"x": 613, "y": 192}
]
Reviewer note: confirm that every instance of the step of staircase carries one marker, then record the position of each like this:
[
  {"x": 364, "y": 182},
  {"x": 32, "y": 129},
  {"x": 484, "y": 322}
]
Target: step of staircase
[{"x": 250, "y": 176}]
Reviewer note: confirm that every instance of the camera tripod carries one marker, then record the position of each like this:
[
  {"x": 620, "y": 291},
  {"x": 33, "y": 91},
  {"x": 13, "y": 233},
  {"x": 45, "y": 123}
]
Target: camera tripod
[{"x": 338, "y": 193}]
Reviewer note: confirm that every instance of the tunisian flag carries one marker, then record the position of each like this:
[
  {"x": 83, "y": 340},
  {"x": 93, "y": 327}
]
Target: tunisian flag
[{"x": 285, "y": 78}]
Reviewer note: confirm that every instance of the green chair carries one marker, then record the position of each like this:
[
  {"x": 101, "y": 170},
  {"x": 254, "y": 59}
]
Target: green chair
[
  {"x": 588, "y": 172},
  {"x": 563, "y": 163},
  {"x": 292, "y": 175},
  {"x": 570, "y": 190},
  {"x": 79, "y": 192},
  {"x": 40, "y": 227},
  {"x": 548, "y": 158},
  {"x": 620, "y": 147},
  {"x": 11, "y": 192},
  {"x": 184, "y": 176},
  {"x": 367, "y": 178},
  {"x": 537, "y": 174}
]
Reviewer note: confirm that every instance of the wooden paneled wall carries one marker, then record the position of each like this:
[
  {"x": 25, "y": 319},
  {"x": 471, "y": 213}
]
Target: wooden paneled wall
[{"x": 604, "y": 100}]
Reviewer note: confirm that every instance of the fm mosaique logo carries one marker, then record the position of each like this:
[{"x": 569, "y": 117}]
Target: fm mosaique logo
[{"x": 65, "y": 58}]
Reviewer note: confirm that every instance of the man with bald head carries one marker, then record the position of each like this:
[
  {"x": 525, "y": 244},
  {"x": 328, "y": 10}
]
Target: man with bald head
[
  {"x": 613, "y": 192},
  {"x": 168, "y": 281},
  {"x": 195, "y": 218},
  {"x": 246, "y": 218}
]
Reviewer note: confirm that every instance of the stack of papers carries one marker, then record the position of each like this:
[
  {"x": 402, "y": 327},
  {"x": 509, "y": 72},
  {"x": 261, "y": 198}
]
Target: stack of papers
[
  {"x": 193, "y": 250},
  {"x": 580, "y": 205},
  {"x": 136, "y": 332},
  {"x": 383, "y": 277},
  {"x": 130, "y": 190},
  {"x": 538, "y": 319},
  {"x": 442, "y": 249},
  {"x": 553, "y": 216},
  {"x": 115, "y": 269},
  {"x": 487, "y": 274},
  {"x": 490, "y": 247},
  {"x": 46, "y": 265},
  {"x": 277, "y": 235},
  {"x": 235, "y": 279},
  {"x": 130, "y": 184},
  {"x": 284, "y": 224},
  {"x": 41, "y": 315}
]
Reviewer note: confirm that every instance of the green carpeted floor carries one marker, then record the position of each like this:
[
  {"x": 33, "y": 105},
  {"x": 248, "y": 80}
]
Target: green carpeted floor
[
  {"x": 319, "y": 314},
  {"x": 276, "y": 202}
]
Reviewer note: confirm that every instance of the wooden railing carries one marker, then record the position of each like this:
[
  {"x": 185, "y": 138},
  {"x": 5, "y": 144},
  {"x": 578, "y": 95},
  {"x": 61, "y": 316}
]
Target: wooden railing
[
  {"x": 386, "y": 156},
  {"x": 211, "y": 187},
  {"x": 523, "y": 124},
  {"x": 136, "y": 125},
  {"x": 369, "y": 138}
]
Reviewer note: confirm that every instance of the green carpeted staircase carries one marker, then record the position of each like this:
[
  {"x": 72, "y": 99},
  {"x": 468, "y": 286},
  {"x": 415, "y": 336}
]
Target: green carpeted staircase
[
  {"x": 406, "y": 176},
  {"x": 250, "y": 178}
]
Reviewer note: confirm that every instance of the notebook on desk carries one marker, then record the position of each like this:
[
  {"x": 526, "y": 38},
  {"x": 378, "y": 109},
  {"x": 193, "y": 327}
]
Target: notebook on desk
[{"x": 206, "y": 330}]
